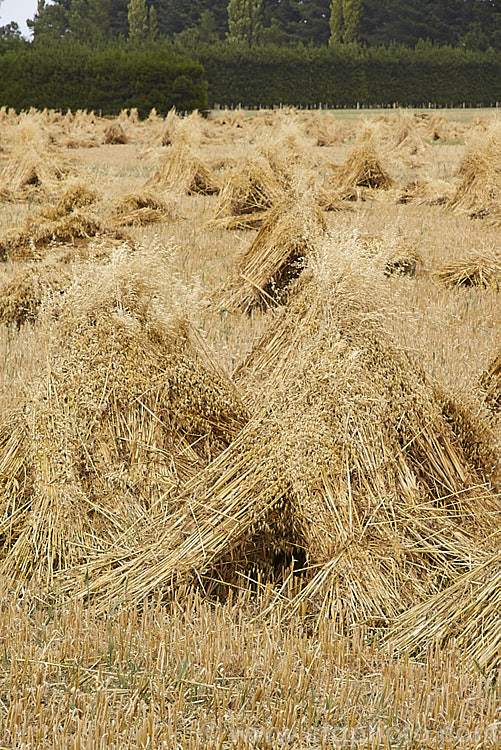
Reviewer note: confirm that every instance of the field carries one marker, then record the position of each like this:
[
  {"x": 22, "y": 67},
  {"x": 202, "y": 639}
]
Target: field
[{"x": 250, "y": 440}]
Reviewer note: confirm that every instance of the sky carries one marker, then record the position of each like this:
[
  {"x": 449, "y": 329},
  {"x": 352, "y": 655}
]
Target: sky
[{"x": 19, "y": 11}]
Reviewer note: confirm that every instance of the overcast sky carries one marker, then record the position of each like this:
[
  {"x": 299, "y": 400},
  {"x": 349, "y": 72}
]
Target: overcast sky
[{"x": 19, "y": 11}]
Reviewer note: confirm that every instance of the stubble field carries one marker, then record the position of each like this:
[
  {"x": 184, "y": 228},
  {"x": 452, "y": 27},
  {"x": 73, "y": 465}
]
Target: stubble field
[{"x": 249, "y": 437}]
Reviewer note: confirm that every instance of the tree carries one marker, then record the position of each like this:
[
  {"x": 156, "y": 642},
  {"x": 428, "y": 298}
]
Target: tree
[
  {"x": 49, "y": 21},
  {"x": 336, "y": 22},
  {"x": 441, "y": 21},
  {"x": 219, "y": 9},
  {"x": 119, "y": 24},
  {"x": 176, "y": 15},
  {"x": 245, "y": 20},
  {"x": 90, "y": 20},
  {"x": 152, "y": 23},
  {"x": 10, "y": 32},
  {"x": 139, "y": 21},
  {"x": 469, "y": 23},
  {"x": 352, "y": 12},
  {"x": 281, "y": 19},
  {"x": 10, "y": 36},
  {"x": 313, "y": 25},
  {"x": 206, "y": 32},
  {"x": 345, "y": 20},
  {"x": 84, "y": 20}
]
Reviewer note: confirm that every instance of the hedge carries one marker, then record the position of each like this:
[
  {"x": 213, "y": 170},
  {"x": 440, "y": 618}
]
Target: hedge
[
  {"x": 65, "y": 76},
  {"x": 347, "y": 75}
]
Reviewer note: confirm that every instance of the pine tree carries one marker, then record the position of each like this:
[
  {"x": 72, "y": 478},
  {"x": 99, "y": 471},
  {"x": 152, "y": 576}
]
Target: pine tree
[
  {"x": 49, "y": 21},
  {"x": 245, "y": 20},
  {"x": 139, "y": 26}
]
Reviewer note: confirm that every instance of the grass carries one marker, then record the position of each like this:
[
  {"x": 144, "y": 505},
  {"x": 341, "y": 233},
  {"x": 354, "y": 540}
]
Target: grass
[
  {"x": 200, "y": 674},
  {"x": 242, "y": 671}
]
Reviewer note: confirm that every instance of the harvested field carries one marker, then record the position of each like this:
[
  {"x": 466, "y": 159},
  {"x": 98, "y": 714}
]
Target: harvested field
[{"x": 250, "y": 481}]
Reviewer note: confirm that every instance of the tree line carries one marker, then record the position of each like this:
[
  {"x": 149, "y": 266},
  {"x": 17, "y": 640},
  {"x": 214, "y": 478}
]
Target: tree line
[
  {"x": 113, "y": 54},
  {"x": 70, "y": 75},
  {"x": 472, "y": 24}
]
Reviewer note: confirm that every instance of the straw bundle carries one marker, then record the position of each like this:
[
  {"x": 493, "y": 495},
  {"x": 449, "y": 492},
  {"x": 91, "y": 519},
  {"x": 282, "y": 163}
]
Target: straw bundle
[
  {"x": 233, "y": 118},
  {"x": 329, "y": 199},
  {"x": 67, "y": 221},
  {"x": 80, "y": 132},
  {"x": 264, "y": 118},
  {"x": 403, "y": 140},
  {"x": 138, "y": 209},
  {"x": 426, "y": 193},
  {"x": 362, "y": 168},
  {"x": 129, "y": 405},
  {"x": 21, "y": 297},
  {"x": 182, "y": 170},
  {"x": 170, "y": 128},
  {"x": 328, "y": 131},
  {"x": 347, "y": 459},
  {"x": 403, "y": 260},
  {"x": 125, "y": 117},
  {"x": 191, "y": 131},
  {"x": 437, "y": 126},
  {"x": 397, "y": 253},
  {"x": 467, "y": 612},
  {"x": 80, "y": 141},
  {"x": 40, "y": 230},
  {"x": 275, "y": 258},
  {"x": 473, "y": 432},
  {"x": 478, "y": 268},
  {"x": 248, "y": 191},
  {"x": 412, "y": 150},
  {"x": 75, "y": 196},
  {"x": 491, "y": 384},
  {"x": 115, "y": 134},
  {"x": 479, "y": 192},
  {"x": 28, "y": 169},
  {"x": 360, "y": 175},
  {"x": 288, "y": 156}
]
